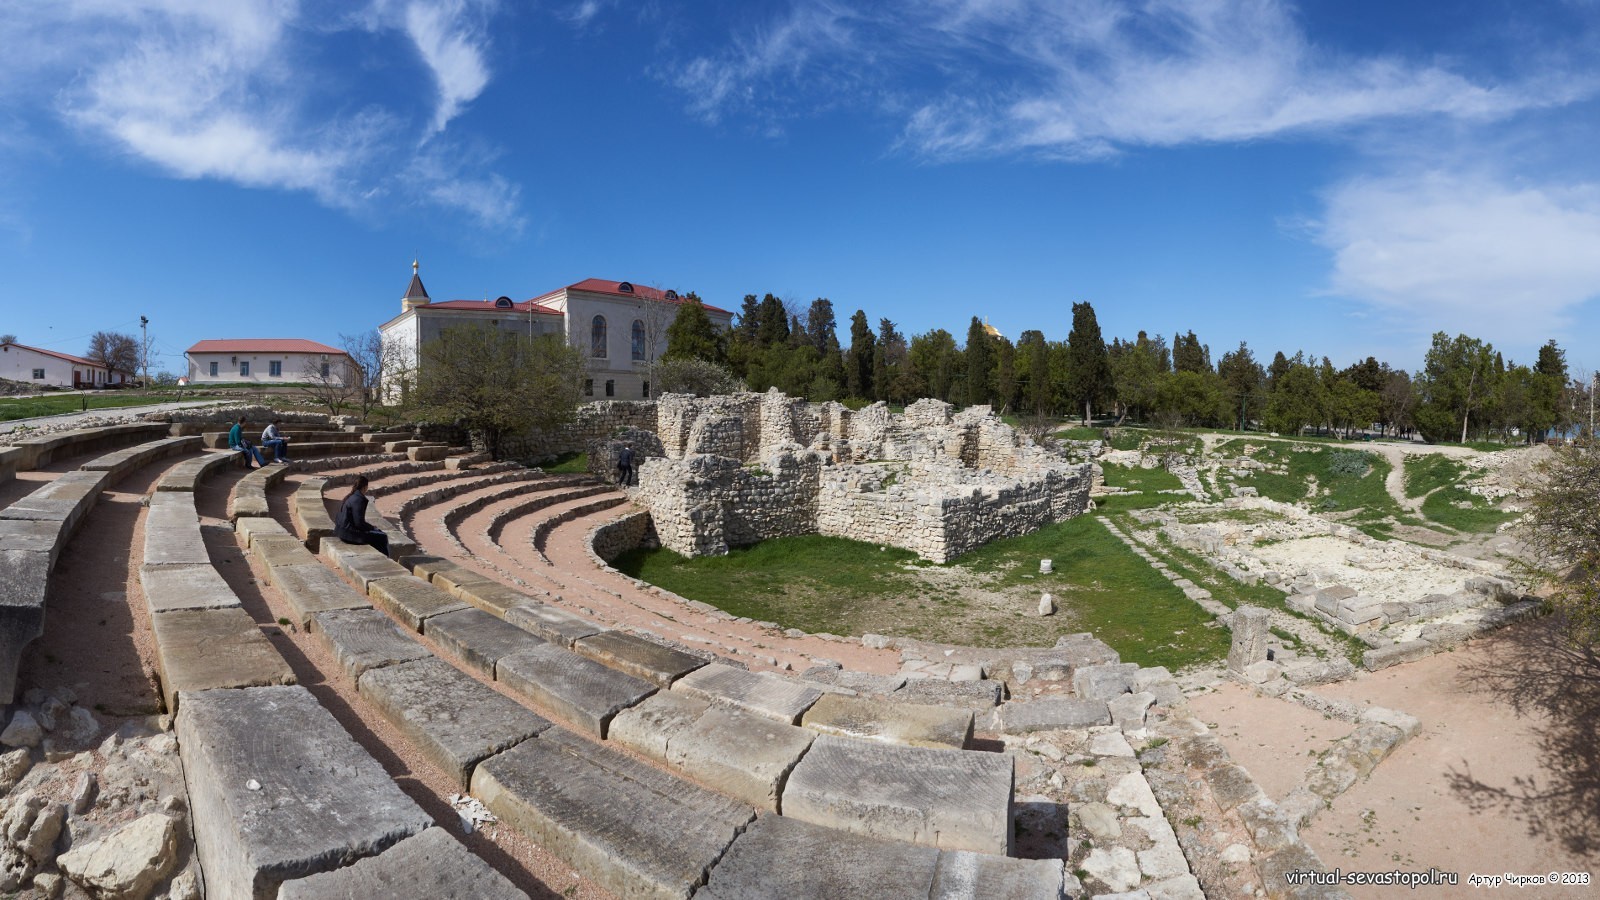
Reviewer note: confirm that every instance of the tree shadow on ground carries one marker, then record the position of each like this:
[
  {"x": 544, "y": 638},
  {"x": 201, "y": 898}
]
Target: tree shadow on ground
[{"x": 1555, "y": 688}]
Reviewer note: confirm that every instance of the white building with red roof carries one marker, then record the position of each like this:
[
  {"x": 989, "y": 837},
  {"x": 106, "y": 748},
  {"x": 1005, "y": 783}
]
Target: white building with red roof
[
  {"x": 266, "y": 361},
  {"x": 51, "y": 368},
  {"x": 621, "y": 327}
]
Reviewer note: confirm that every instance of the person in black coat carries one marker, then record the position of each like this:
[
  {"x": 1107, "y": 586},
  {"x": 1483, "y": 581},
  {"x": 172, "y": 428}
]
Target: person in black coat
[
  {"x": 625, "y": 466},
  {"x": 352, "y": 526}
]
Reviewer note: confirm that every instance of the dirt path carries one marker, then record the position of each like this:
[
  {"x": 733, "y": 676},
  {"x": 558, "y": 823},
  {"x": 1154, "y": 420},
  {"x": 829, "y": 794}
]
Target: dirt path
[{"x": 1503, "y": 776}]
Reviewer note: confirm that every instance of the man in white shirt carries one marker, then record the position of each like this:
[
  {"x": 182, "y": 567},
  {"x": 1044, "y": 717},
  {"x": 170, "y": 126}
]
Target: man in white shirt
[{"x": 275, "y": 439}]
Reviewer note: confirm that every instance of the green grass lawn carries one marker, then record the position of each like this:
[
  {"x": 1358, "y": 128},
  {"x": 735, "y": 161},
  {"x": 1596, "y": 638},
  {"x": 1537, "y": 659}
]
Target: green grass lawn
[
  {"x": 1431, "y": 471},
  {"x": 846, "y": 587},
  {"x": 568, "y": 464},
  {"x": 55, "y": 404},
  {"x": 1137, "y": 479},
  {"x": 1457, "y": 508},
  {"x": 1079, "y": 433}
]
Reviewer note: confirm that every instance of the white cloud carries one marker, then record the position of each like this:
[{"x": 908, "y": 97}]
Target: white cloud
[
  {"x": 208, "y": 90},
  {"x": 1466, "y": 253}
]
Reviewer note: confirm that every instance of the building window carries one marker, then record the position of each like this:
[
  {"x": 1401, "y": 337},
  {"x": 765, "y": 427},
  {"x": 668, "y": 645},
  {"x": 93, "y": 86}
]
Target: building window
[
  {"x": 38, "y": 374},
  {"x": 611, "y": 388},
  {"x": 597, "y": 338},
  {"x": 275, "y": 369},
  {"x": 644, "y": 391},
  {"x": 638, "y": 339},
  {"x": 324, "y": 370},
  {"x": 588, "y": 387},
  {"x": 244, "y": 370},
  {"x": 213, "y": 370}
]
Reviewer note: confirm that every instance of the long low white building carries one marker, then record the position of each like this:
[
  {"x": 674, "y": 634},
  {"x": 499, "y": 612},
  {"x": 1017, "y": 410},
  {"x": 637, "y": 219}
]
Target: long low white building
[
  {"x": 50, "y": 368},
  {"x": 266, "y": 361}
]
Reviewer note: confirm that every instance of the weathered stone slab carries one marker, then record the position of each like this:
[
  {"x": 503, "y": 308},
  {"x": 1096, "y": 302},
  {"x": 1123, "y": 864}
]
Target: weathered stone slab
[
  {"x": 431, "y": 864},
  {"x": 411, "y": 599},
  {"x": 491, "y": 596},
  {"x": 171, "y": 509},
  {"x": 276, "y": 550},
  {"x": 743, "y": 755},
  {"x": 363, "y": 639},
  {"x": 478, "y": 639},
  {"x": 963, "y": 875},
  {"x": 214, "y": 648},
  {"x": 187, "y": 475},
  {"x": 1022, "y": 717},
  {"x": 637, "y": 656},
  {"x": 311, "y": 589},
  {"x": 857, "y": 682},
  {"x": 170, "y": 588},
  {"x": 551, "y": 623},
  {"x": 650, "y": 725},
  {"x": 33, "y": 536},
  {"x": 361, "y": 563},
  {"x": 580, "y": 690},
  {"x": 456, "y": 720},
  {"x": 1105, "y": 681},
  {"x": 937, "y": 798},
  {"x": 910, "y": 724},
  {"x": 583, "y": 802},
  {"x": 781, "y": 857},
  {"x": 1395, "y": 654},
  {"x": 1250, "y": 633},
  {"x": 278, "y": 790},
  {"x": 976, "y": 695},
  {"x": 23, "y": 577},
  {"x": 756, "y": 692},
  {"x": 175, "y": 546},
  {"x": 447, "y": 574},
  {"x": 251, "y": 527}
]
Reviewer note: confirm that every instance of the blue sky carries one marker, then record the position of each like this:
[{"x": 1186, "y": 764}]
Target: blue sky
[{"x": 1341, "y": 177}]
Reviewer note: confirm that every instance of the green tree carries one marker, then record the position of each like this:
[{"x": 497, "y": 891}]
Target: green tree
[
  {"x": 1550, "y": 380},
  {"x": 858, "y": 366},
  {"x": 498, "y": 384},
  {"x": 1189, "y": 355},
  {"x": 1033, "y": 373},
  {"x": 889, "y": 368},
  {"x": 1185, "y": 398},
  {"x": 1457, "y": 380},
  {"x": 689, "y": 375},
  {"x": 1088, "y": 365},
  {"x": 821, "y": 327},
  {"x": 1296, "y": 400},
  {"x": 1243, "y": 378},
  {"x": 692, "y": 334},
  {"x": 772, "y": 322},
  {"x": 1561, "y": 546},
  {"x": 1136, "y": 375},
  {"x": 935, "y": 359},
  {"x": 979, "y": 355}
]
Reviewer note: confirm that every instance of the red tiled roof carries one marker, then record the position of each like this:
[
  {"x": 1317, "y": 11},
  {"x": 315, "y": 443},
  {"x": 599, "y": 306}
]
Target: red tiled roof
[
  {"x": 641, "y": 291},
  {"x": 262, "y": 345},
  {"x": 66, "y": 356},
  {"x": 488, "y": 306}
]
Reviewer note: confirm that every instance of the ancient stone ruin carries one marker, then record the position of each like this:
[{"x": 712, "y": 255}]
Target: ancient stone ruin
[{"x": 729, "y": 471}]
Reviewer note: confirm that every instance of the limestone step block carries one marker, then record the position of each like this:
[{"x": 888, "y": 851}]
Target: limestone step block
[
  {"x": 1106, "y": 681},
  {"x": 578, "y": 689},
  {"x": 180, "y": 545},
  {"x": 649, "y": 726},
  {"x": 33, "y": 536},
  {"x": 743, "y": 755},
  {"x": 172, "y": 588},
  {"x": 311, "y": 589},
  {"x": 427, "y": 453},
  {"x": 202, "y": 649},
  {"x": 120, "y": 462},
  {"x": 23, "y": 577},
  {"x": 447, "y": 574},
  {"x": 491, "y": 596},
  {"x": 431, "y": 864},
  {"x": 909, "y": 724},
  {"x": 251, "y": 527},
  {"x": 634, "y": 829},
  {"x": 1395, "y": 654},
  {"x": 1025, "y": 716},
  {"x": 400, "y": 446},
  {"x": 477, "y": 639},
  {"x": 361, "y": 563},
  {"x": 400, "y": 544},
  {"x": 637, "y": 656},
  {"x": 276, "y": 550},
  {"x": 976, "y": 695},
  {"x": 854, "y": 682},
  {"x": 362, "y": 639},
  {"x": 756, "y": 692},
  {"x": 779, "y": 857},
  {"x": 279, "y": 791},
  {"x": 936, "y": 798},
  {"x": 411, "y": 599},
  {"x": 552, "y": 623},
  {"x": 187, "y": 475},
  {"x": 456, "y": 720},
  {"x": 171, "y": 509},
  {"x": 310, "y": 512}
]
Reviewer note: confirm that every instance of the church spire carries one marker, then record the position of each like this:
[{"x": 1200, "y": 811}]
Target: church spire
[{"x": 416, "y": 294}]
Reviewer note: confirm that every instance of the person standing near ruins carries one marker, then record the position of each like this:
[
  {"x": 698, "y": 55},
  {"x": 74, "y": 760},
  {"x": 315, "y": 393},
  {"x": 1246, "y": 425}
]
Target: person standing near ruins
[
  {"x": 352, "y": 526},
  {"x": 625, "y": 466}
]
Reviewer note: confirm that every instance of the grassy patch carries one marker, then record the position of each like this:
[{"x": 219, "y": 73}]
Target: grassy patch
[
  {"x": 1430, "y": 472},
  {"x": 568, "y": 464},
  {"x": 28, "y": 407},
  {"x": 1458, "y": 508},
  {"x": 1348, "y": 481},
  {"x": 1080, "y": 433},
  {"x": 1136, "y": 479}
]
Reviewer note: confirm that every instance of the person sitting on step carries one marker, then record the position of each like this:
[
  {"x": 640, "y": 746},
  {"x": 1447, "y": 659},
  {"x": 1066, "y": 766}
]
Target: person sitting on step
[
  {"x": 237, "y": 441},
  {"x": 274, "y": 438},
  {"x": 352, "y": 526}
]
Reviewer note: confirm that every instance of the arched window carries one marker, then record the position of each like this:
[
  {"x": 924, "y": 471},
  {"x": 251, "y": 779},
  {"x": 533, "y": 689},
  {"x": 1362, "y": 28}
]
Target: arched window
[
  {"x": 638, "y": 339},
  {"x": 597, "y": 338}
]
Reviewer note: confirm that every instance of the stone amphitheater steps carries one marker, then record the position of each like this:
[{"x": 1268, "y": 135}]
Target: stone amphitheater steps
[{"x": 273, "y": 805}]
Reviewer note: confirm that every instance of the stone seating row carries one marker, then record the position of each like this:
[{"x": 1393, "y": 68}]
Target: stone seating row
[
  {"x": 584, "y": 801},
  {"x": 581, "y": 487},
  {"x": 297, "y": 434},
  {"x": 249, "y": 497},
  {"x": 284, "y": 802},
  {"x": 541, "y": 531},
  {"x": 35, "y": 528},
  {"x": 520, "y": 481},
  {"x": 27, "y": 454}
]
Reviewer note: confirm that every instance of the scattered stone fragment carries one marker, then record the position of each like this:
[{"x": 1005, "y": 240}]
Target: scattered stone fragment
[
  {"x": 127, "y": 863},
  {"x": 22, "y": 731}
]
